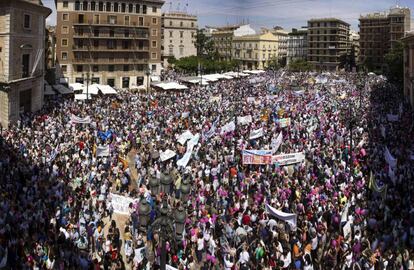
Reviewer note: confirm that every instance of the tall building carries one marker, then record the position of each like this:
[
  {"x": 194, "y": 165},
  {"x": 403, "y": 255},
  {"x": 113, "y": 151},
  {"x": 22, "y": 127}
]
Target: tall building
[
  {"x": 22, "y": 47},
  {"x": 297, "y": 45},
  {"x": 255, "y": 51},
  {"x": 116, "y": 43},
  {"x": 354, "y": 40},
  {"x": 179, "y": 31},
  {"x": 379, "y": 33},
  {"x": 223, "y": 38},
  {"x": 282, "y": 40},
  {"x": 328, "y": 39},
  {"x": 409, "y": 67},
  {"x": 50, "y": 47}
]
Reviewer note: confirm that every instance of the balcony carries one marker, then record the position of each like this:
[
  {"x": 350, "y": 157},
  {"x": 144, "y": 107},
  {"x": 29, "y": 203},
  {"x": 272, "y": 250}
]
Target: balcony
[
  {"x": 109, "y": 61},
  {"x": 106, "y": 49},
  {"x": 109, "y": 23},
  {"x": 130, "y": 37}
]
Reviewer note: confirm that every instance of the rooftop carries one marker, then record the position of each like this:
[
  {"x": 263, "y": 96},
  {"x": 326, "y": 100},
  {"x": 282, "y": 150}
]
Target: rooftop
[{"x": 328, "y": 20}]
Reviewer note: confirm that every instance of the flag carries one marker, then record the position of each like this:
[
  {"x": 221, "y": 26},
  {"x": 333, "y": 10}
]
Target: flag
[{"x": 373, "y": 185}]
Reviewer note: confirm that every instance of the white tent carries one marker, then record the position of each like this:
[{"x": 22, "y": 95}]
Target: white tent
[
  {"x": 92, "y": 89},
  {"x": 197, "y": 81},
  {"x": 171, "y": 85},
  {"x": 155, "y": 78},
  {"x": 76, "y": 86},
  {"x": 62, "y": 89},
  {"x": 107, "y": 90},
  {"x": 82, "y": 96}
]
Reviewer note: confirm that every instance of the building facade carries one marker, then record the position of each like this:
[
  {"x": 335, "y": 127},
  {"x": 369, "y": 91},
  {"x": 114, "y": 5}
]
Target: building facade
[
  {"x": 50, "y": 47},
  {"x": 115, "y": 42},
  {"x": 282, "y": 40},
  {"x": 328, "y": 39},
  {"x": 22, "y": 47},
  {"x": 223, "y": 39},
  {"x": 297, "y": 45},
  {"x": 179, "y": 32},
  {"x": 255, "y": 51},
  {"x": 354, "y": 39},
  {"x": 379, "y": 32},
  {"x": 409, "y": 67}
]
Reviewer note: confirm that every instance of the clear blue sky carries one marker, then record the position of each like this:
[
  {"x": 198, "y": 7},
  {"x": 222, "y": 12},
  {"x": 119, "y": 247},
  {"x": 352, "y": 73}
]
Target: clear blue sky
[{"x": 268, "y": 13}]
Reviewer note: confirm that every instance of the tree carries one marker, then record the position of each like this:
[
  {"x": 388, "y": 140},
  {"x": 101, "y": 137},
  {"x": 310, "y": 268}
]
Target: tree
[
  {"x": 274, "y": 63},
  {"x": 204, "y": 45},
  {"x": 347, "y": 61},
  {"x": 395, "y": 63},
  {"x": 171, "y": 60},
  {"x": 300, "y": 65}
]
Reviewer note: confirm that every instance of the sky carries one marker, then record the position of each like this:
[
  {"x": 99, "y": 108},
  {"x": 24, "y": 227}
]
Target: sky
[{"x": 268, "y": 13}]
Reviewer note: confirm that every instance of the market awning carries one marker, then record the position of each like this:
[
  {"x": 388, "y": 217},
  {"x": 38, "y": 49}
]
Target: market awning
[
  {"x": 171, "y": 86},
  {"x": 76, "y": 86},
  {"x": 107, "y": 90},
  {"x": 62, "y": 89},
  {"x": 82, "y": 96},
  {"x": 92, "y": 89}
]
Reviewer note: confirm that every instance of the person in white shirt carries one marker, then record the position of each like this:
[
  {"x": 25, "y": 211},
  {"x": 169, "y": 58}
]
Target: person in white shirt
[
  {"x": 228, "y": 262},
  {"x": 286, "y": 258},
  {"x": 244, "y": 257}
]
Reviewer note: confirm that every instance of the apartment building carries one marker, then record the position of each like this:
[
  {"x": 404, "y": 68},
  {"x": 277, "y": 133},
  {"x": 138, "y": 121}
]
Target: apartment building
[
  {"x": 223, "y": 38},
  {"x": 179, "y": 30},
  {"x": 354, "y": 40},
  {"x": 297, "y": 45},
  {"x": 409, "y": 67},
  {"x": 328, "y": 39},
  {"x": 379, "y": 32},
  {"x": 22, "y": 47},
  {"x": 50, "y": 47},
  {"x": 282, "y": 40},
  {"x": 255, "y": 51},
  {"x": 115, "y": 42}
]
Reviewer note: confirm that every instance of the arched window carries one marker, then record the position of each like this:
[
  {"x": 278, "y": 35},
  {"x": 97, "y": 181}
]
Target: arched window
[
  {"x": 123, "y": 8},
  {"x": 93, "y": 6},
  {"x": 108, "y": 6},
  {"x": 116, "y": 7},
  {"x": 137, "y": 8},
  {"x": 101, "y": 6},
  {"x": 131, "y": 7},
  {"x": 85, "y": 5},
  {"x": 77, "y": 5}
]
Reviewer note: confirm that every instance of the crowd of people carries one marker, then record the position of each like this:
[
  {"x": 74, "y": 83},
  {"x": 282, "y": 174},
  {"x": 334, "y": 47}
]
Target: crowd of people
[{"x": 349, "y": 202}]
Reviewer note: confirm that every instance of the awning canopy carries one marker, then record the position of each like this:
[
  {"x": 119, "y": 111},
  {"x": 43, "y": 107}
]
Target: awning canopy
[
  {"x": 76, "y": 86},
  {"x": 107, "y": 90},
  {"x": 62, "y": 89},
  {"x": 95, "y": 88},
  {"x": 171, "y": 86},
  {"x": 92, "y": 89},
  {"x": 82, "y": 96}
]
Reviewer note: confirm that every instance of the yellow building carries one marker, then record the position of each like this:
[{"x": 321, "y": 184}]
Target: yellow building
[{"x": 255, "y": 51}]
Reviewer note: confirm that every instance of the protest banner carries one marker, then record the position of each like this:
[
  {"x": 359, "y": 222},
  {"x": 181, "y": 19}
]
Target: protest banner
[
  {"x": 257, "y": 157},
  {"x": 389, "y": 158},
  {"x": 251, "y": 99},
  {"x": 229, "y": 127},
  {"x": 276, "y": 142},
  {"x": 244, "y": 120},
  {"x": 139, "y": 254},
  {"x": 193, "y": 142},
  {"x": 184, "y": 137},
  {"x": 78, "y": 120},
  {"x": 185, "y": 114},
  {"x": 212, "y": 129},
  {"x": 120, "y": 203},
  {"x": 255, "y": 134},
  {"x": 167, "y": 154},
  {"x": 284, "y": 122},
  {"x": 102, "y": 151},
  {"x": 286, "y": 217},
  {"x": 288, "y": 159},
  {"x": 215, "y": 99},
  {"x": 182, "y": 162}
]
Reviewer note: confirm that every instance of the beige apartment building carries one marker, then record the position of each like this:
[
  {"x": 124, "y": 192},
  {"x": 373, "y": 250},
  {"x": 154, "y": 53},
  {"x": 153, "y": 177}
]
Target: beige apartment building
[
  {"x": 282, "y": 40},
  {"x": 179, "y": 31},
  {"x": 379, "y": 32},
  {"x": 409, "y": 67},
  {"x": 22, "y": 47},
  {"x": 328, "y": 39},
  {"x": 255, "y": 51},
  {"x": 115, "y": 42}
]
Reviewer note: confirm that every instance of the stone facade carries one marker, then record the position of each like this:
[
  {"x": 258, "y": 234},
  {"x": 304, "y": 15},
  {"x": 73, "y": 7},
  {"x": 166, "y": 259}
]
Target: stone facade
[{"x": 22, "y": 36}]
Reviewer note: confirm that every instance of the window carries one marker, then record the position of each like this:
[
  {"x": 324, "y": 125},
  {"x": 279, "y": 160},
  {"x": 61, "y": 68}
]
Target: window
[
  {"x": 130, "y": 8},
  {"x": 153, "y": 55},
  {"x": 123, "y": 7},
  {"x": 77, "y": 5},
  {"x": 64, "y": 68},
  {"x": 65, "y": 4},
  {"x": 154, "y": 44},
  {"x": 93, "y": 6},
  {"x": 79, "y": 68},
  {"x": 171, "y": 34},
  {"x": 111, "y": 44},
  {"x": 154, "y": 68},
  {"x": 192, "y": 36},
  {"x": 154, "y": 32},
  {"x": 126, "y": 20},
  {"x": 126, "y": 67},
  {"x": 112, "y": 19},
  {"x": 25, "y": 65},
  {"x": 126, "y": 33},
  {"x": 181, "y": 34},
  {"x": 154, "y": 20},
  {"x": 144, "y": 9},
  {"x": 192, "y": 24},
  {"x": 96, "y": 43},
  {"x": 125, "y": 44},
  {"x": 95, "y": 68},
  {"x": 101, "y": 6},
  {"x": 171, "y": 50},
  {"x": 111, "y": 68},
  {"x": 137, "y": 8},
  {"x": 181, "y": 51},
  {"x": 96, "y": 19},
  {"x": 65, "y": 17},
  {"x": 171, "y": 23},
  {"x": 181, "y": 24},
  {"x": 26, "y": 22},
  {"x": 140, "y": 21},
  {"x": 108, "y": 6},
  {"x": 85, "y": 5},
  {"x": 64, "y": 42},
  {"x": 96, "y": 32},
  {"x": 80, "y": 18},
  {"x": 111, "y": 33},
  {"x": 65, "y": 30},
  {"x": 154, "y": 9},
  {"x": 64, "y": 56},
  {"x": 116, "y": 7}
]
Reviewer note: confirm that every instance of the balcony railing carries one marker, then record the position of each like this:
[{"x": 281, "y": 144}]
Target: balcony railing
[
  {"x": 106, "y": 49},
  {"x": 110, "y": 23},
  {"x": 110, "y": 61}
]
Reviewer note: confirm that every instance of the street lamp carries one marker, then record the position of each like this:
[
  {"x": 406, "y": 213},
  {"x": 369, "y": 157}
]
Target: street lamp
[
  {"x": 88, "y": 79},
  {"x": 200, "y": 71}
]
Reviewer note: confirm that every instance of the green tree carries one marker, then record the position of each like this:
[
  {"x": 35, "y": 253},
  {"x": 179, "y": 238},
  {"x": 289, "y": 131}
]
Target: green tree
[
  {"x": 204, "y": 45},
  {"x": 171, "y": 60},
  {"x": 274, "y": 63},
  {"x": 347, "y": 61},
  {"x": 395, "y": 63},
  {"x": 300, "y": 65}
]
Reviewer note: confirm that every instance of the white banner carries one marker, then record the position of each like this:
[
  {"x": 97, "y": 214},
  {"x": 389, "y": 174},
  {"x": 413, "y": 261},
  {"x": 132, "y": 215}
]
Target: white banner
[
  {"x": 184, "y": 137},
  {"x": 120, "y": 203},
  {"x": 244, "y": 120},
  {"x": 102, "y": 151},
  {"x": 169, "y": 267},
  {"x": 78, "y": 120},
  {"x": 139, "y": 254},
  {"x": 276, "y": 142},
  {"x": 256, "y": 134},
  {"x": 229, "y": 127},
  {"x": 389, "y": 158},
  {"x": 215, "y": 99},
  {"x": 251, "y": 99},
  {"x": 284, "y": 122},
  {"x": 288, "y": 159},
  {"x": 286, "y": 217},
  {"x": 193, "y": 142},
  {"x": 182, "y": 162},
  {"x": 347, "y": 229},
  {"x": 185, "y": 114},
  {"x": 392, "y": 117},
  {"x": 167, "y": 154}
]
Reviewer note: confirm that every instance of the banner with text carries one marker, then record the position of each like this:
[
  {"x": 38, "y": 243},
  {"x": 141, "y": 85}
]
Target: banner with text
[
  {"x": 120, "y": 203},
  {"x": 257, "y": 157},
  {"x": 288, "y": 159}
]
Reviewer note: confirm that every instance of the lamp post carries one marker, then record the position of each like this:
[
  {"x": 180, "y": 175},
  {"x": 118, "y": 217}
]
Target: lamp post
[
  {"x": 200, "y": 71},
  {"x": 88, "y": 79},
  {"x": 148, "y": 73},
  {"x": 170, "y": 222}
]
